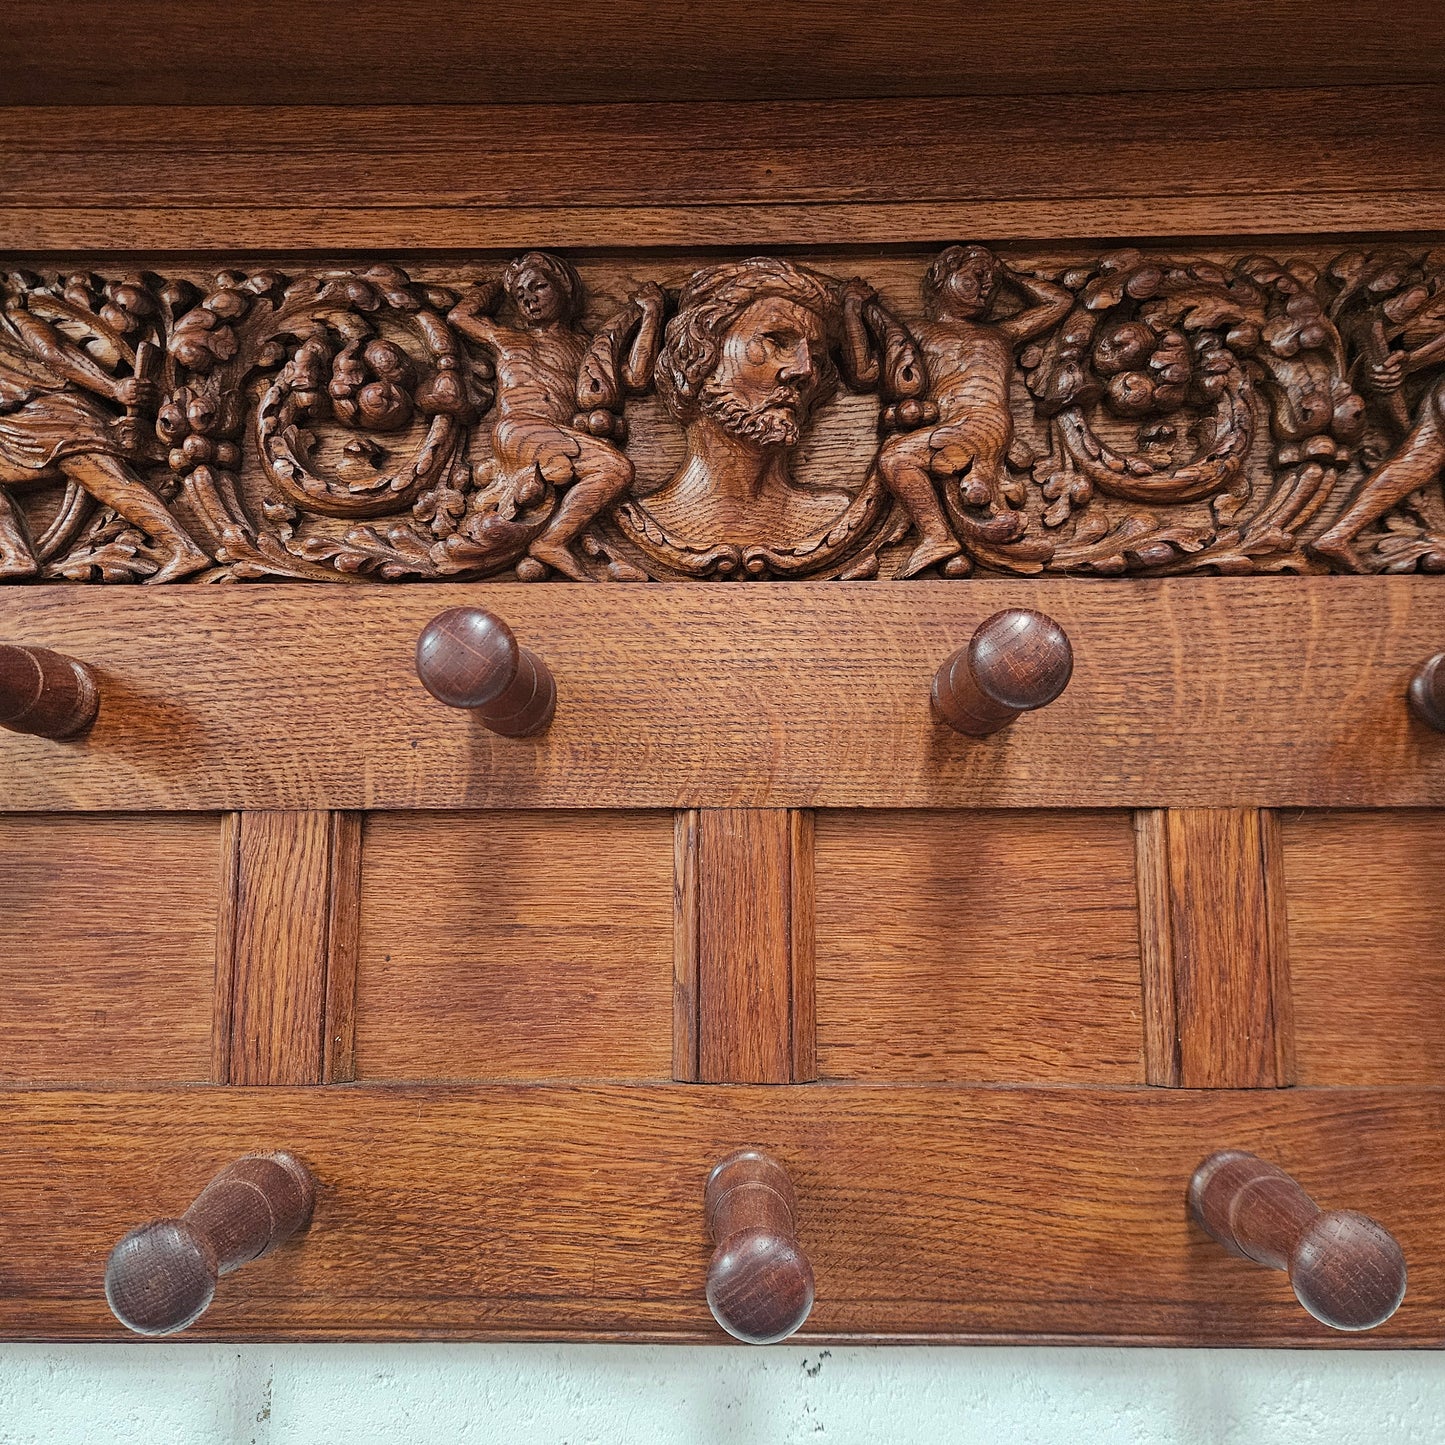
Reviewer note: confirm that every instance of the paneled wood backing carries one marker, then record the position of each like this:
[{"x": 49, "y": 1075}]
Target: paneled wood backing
[
  {"x": 107, "y": 948},
  {"x": 791, "y": 172},
  {"x": 977, "y": 946},
  {"x": 1211, "y": 692},
  {"x": 512, "y": 1211},
  {"x": 1366, "y": 899},
  {"x": 253, "y": 51},
  {"x": 515, "y": 946}
]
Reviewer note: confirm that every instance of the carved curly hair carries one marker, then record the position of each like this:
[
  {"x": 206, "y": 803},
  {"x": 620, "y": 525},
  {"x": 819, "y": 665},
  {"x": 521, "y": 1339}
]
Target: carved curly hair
[
  {"x": 951, "y": 259},
  {"x": 712, "y": 300},
  {"x": 562, "y": 274}
]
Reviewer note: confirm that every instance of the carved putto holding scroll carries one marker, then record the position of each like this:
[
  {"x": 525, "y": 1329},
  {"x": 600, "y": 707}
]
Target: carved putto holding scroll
[{"x": 976, "y": 410}]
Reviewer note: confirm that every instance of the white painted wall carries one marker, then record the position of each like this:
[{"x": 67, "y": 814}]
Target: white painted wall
[{"x": 175, "y": 1394}]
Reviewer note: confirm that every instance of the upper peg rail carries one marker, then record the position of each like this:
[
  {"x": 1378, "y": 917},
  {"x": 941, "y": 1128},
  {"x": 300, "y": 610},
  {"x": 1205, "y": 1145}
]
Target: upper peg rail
[
  {"x": 1018, "y": 660},
  {"x": 469, "y": 658},
  {"x": 759, "y": 1281},
  {"x": 45, "y": 693},
  {"x": 1427, "y": 692},
  {"x": 1345, "y": 1269},
  {"x": 162, "y": 1277}
]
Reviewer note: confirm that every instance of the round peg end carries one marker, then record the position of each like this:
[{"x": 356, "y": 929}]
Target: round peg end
[
  {"x": 1348, "y": 1271},
  {"x": 759, "y": 1286},
  {"x": 160, "y": 1278},
  {"x": 1427, "y": 692},
  {"x": 1021, "y": 659},
  {"x": 467, "y": 657}
]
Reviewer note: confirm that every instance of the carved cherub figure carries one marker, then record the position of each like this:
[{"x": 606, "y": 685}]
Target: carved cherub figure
[
  {"x": 52, "y": 428},
  {"x": 537, "y": 364},
  {"x": 969, "y": 362}
]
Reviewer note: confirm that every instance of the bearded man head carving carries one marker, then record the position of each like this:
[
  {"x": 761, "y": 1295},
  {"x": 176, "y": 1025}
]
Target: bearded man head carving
[{"x": 746, "y": 363}]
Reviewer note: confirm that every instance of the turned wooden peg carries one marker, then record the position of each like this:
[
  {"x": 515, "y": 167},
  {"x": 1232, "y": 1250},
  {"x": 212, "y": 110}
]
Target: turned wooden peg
[
  {"x": 162, "y": 1277},
  {"x": 1017, "y": 661},
  {"x": 1346, "y": 1270},
  {"x": 469, "y": 658},
  {"x": 759, "y": 1283},
  {"x": 46, "y": 693},
  {"x": 1427, "y": 692}
]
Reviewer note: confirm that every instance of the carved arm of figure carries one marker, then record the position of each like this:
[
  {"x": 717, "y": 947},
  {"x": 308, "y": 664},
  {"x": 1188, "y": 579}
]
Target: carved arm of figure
[
  {"x": 611, "y": 369},
  {"x": 642, "y": 356},
  {"x": 879, "y": 353},
  {"x": 1048, "y": 305},
  {"x": 1388, "y": 375},
  {"x": 859, "y": 358},
  {"x": 73, "y": 365},
  {"x": 473, "y": 314}
]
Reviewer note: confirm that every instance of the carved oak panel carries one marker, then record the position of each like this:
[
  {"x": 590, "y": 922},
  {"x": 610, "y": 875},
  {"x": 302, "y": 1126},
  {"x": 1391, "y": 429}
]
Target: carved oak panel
[{"x": 997, "y": 412}]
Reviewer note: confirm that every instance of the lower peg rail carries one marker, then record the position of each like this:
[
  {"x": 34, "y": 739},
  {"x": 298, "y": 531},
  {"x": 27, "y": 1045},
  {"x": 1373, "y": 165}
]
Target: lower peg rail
[{"x": 625, "y": 1211}]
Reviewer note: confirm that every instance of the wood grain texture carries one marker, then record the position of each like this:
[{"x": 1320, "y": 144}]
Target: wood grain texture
[
  {"x": 754, "y": 972},
  {"x": 515, "y": 946},
  {"x": 1180, "y": 162},
  {"x": 371, "y": 53},
  {"x": 977, "y": 946},
  {"x": 1191, "y": 693},
  {"x": 1216, "y": 979},
  {"x": 1366, "y": 909},
  {"x": 927, "y": 1212},
  {"x": 107, "y": 948},
  {"x": 279, "y": 947}
]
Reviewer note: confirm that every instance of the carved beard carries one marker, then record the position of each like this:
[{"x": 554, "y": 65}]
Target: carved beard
[{"x": 775, "y": 421}]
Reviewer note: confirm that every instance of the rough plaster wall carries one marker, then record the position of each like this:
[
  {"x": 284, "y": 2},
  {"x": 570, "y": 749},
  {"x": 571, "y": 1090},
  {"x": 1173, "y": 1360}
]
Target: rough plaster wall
[{"x": 605, "y": 1395}]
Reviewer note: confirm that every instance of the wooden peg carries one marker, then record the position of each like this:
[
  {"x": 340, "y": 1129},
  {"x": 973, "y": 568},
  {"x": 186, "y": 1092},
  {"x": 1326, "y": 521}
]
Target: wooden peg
[
  {"x": 759, "y": 1283},
  {"x": 469, "y": 658},
  {"x": 46, "y": 693},
  {"x": 162, "y": 1277},
  {"x": 1427, "y": 692},
  {"x": 1017, "y": 661},
  {"x": 1346, "y": 1270}
]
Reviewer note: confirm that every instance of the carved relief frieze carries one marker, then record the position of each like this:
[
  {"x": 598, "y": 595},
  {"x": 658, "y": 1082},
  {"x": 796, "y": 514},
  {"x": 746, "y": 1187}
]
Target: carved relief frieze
[{"x": 977, "y": 411}]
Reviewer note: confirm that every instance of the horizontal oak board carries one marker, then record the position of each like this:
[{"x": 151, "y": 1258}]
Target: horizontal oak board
[
  {"x": 576, "y": 1212},
  {"x": 932, "y": 150},
  {"x": 255, "y": 50},
  {"x": 1191, "y": 163},
  {"x": 1201, "y": 692}
]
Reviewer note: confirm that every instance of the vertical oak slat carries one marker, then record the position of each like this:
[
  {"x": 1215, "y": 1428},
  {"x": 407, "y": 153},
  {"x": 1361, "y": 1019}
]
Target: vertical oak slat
[
  {"x": 278, "y": 947},
  {"x": 804, "y": 916},
  {"x": 744, "y": 947},
  {"x": 225, "y": 986},
  {"x": 1213, "y": 945},
  {"x": 343, "y": 949},
  {"x": 684, "y": 945},
  {"x": 1277, "y": 925}
]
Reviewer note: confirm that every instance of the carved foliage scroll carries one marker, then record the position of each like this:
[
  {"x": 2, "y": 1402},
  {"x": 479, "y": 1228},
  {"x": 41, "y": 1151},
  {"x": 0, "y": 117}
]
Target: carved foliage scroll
[{"x": 1132, "y": 413}]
